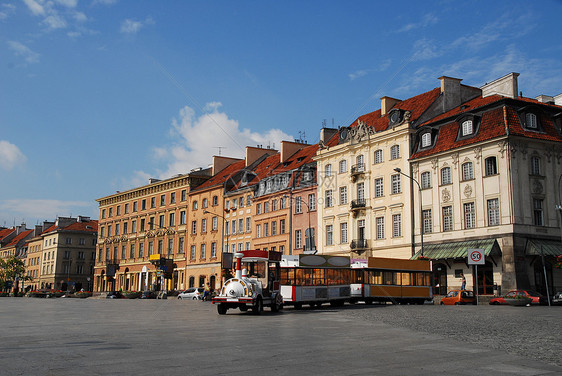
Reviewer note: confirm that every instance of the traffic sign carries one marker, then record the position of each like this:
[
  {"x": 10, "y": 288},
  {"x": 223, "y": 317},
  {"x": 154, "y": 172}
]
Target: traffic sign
[{"x": 476, "y": 257}]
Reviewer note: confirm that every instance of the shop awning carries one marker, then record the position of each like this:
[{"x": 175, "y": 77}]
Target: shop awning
[
  {"x": 549, "y": 248},
  {"x": 457, "y": 250}
]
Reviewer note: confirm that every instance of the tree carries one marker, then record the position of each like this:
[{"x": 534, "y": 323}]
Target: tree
[{"x": 11, "y": 269}]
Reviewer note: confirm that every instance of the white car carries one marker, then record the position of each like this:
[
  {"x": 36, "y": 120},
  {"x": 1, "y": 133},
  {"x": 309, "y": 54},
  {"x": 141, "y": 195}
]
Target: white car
[
  {"x": 557, "y": 298},
  {"x": 193, "y": 293}
]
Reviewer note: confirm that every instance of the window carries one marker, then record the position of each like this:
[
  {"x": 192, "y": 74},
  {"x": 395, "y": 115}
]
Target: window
[
  {"x": 173, "y": 198},
  {"x": 170, "y": 246},
  {"x": 215, "y": 224},
  {"x": 360, "y": 163},
  {"x": 343, "y": 195},
  {"x": 241, "y": 226},
  {"x": 343, "y": 233},
  {"x": 273, "y": 205},
  {"x": 160, "y": 247},
  {"x": 258, "y": 209},
  {"x": 118, "y": 210},
  {"x": 493, "y": 212},
  {"x": 153, "y": 202},
  {"x": 378, "y": 156},
  {"x": 328, "y": 170},
  {"x": 361, "y": 191},
  {"x": 298, "y": 239},
  {"x": 329, "y": 198},
  {"x": 273, "y": 228},
  {"x": 203, "y": 251},
  {"x": 281, "y": 226},
  {"x": 110, "y": 212},
  {"x": 396, "y": 184},
  {"x": 343, "y": 166},
  {"x": 204, "y": 225},
  {"x": 248, "y": 225},
  {"x": 469, "y": 215},
  {"x": 213, "y": 250},
  {"x": 194, "y": 205},
  {"x": 266, "y": 207},
  {"x": 379, "y": 187},
  {"x": 535, "y": 165},
  {"x": 241, "y": 202},
  {"x": 531, "y": 120},
  {"x": 258, "y": 231},
  {"x": 397, "y": 225},
  {"x": 150, "y": 248},
  {"x": 427, "y": 225},
  {"x": 182, "y": 217},
  {"x": 248, "y": 200},
  {"x": 215, "y": 200},
  {"x": 467, "y": 173},
  {"x": 329, "y": 235},
  {"x": 181, "y": 245},
  {"x": 135, "y": 207},
  {"x": 266, "y": 229},
  {"x": 426, "y": 140},
  {"x": 426, "y": 180},
  {"x": 467, "y": 127},
  {"x": 192, "y": 253},
  {"x": 491, "y": 167},
  {"x": 380, "y": 227},
  {"x": 141, "y": 249},
  {"x": 143, "y": 204},
  {"x": 447, "y": 218},
  {"x": 69, "y": 240},
  {"x": 312, "y": 201},
  {"x": 298, "y": 205},
  {"x": 445, "y": 175},
  {"x": 125, "y": 231},
  {"x": 194, "y": 227},
  {"x": 233, "y": 227},
  {"x": 205, "y": 203},
  {"x": 162, "y": 200},
  {"x": 247, "y": 246},
  {"x": 184, "y": 194},
  {"x": 395, "y": 152},
  {"x": 538, "y": 212}
]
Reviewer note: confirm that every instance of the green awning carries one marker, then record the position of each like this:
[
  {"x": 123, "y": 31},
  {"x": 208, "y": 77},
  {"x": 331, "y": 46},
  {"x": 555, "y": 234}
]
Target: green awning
[
  {"x": 458, "y": 249},
  {"x": 549, "y": 248}
]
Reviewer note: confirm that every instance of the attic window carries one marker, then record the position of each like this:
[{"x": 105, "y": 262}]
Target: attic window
[
  {"x": 300, "y": 159},
  {"x": 426, "y": 140},
  {"x": 531, "y": 120},
  {"x": 467, "y": 128},
  {"x": 395, "y": 117}
]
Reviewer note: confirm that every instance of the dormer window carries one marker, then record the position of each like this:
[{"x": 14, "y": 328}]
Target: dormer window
[
  {"x": 426, "y": 140},
  {"x": 394, "y": 117},
  {"x": 467, "y": 128},
  {"x": 531, "y": 120}
]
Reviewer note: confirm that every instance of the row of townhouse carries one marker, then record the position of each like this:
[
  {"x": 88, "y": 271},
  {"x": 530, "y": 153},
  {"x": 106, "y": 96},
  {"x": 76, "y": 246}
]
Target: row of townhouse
[
  {"x": 57, "y": 255},
  {"x": 451, "y": 169}
]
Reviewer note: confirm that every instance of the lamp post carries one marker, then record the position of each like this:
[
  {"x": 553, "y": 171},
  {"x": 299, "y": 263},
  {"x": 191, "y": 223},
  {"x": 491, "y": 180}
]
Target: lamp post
[
  {"x": 68, "y": 275},
  {"x": 420, "y": 199},
  {"x": 559, "y": 206},
  {"x": 223, "y": 226}
]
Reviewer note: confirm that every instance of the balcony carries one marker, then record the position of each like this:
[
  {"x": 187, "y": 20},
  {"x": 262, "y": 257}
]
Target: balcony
[
  {"x": 360, "y": 203},
  {"x": 356, "y": 171},
  {"x": 359, "y": 245}
]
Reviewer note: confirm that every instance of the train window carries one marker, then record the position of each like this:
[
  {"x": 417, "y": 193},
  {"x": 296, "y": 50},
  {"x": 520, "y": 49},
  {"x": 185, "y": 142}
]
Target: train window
[
  {"x": 390, "y": 278},
  {"x": 407, "y": 279}
]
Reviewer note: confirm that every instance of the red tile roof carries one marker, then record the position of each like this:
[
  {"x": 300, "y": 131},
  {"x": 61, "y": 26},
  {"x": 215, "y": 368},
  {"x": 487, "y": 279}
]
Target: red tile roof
[
  {"x": 89, "y": 226},
  {"x": 223, "y": 175},
  {"x": 19, "y": 237},
  {"x": 5, "y": 232}
]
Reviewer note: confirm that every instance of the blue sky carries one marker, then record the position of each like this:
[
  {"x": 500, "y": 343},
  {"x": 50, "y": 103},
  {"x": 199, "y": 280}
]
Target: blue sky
[{"x": 98, "y": 96}]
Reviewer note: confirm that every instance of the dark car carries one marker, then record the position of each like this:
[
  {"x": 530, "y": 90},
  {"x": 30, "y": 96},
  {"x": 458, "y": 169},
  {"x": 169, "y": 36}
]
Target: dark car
[
  {"x": 557, "y": 298},
  {"x": 148, "y": 295},
  {"x": 537, "y": 298},
  {"x": 114, "y": 295}
]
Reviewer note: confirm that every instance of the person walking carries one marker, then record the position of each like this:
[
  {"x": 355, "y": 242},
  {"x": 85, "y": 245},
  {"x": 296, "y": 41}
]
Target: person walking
[{"x": 463, "y": 281}]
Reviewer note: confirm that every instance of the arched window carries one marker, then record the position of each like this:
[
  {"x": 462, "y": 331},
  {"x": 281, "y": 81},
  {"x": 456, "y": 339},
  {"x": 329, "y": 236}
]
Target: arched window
[
  {"x": 491, "y": 167},
  {"x": 531, "y": 120},
  {"x": 467, "y": 173},
  {"x": 343, "y": 165},
  {"x": 467, "y": 128},
  {"x": 446, "y": 175},
  {"x": 328, "y": 170},
  {"x": 192, "y": 281},
  {"x": 194, "y": 205},
  {"x": 395, "y": 152},
  {"x": 535, "y": 165},
  {"x": 378, "y": 156}
]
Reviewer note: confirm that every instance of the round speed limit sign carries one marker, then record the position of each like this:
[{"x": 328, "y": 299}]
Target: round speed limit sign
[{"x": 476, "y": 257}]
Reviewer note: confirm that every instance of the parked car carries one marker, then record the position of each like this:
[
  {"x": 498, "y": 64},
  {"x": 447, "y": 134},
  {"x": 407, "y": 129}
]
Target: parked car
[
  {"x": 537, "y": 298},
  {"x": 114, "y": 295},
  {"x": 193, "y": 293},
  {"x": 557, "y": 298},
  {"x": 148, "y": 295},
  {"x": 459, "y": 297}
]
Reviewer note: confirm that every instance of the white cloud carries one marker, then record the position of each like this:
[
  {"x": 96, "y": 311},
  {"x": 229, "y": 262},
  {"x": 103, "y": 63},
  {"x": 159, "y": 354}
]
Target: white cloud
[
  {"x": 68, "y": 3},
  {"x": 6, "y": 11},
  {"x": 427, "y": 20},
  {"x": 40, "y": 209},
  {"x": 130, "y": 26},
  {"x": 425, "y": 49},
  {"x": 20, "y": 49},
  {"x": 35, "y": 8},
  {"x": 54, "y": 21},
  {"x": 357, "y": 74},
  {"x": 10, "y": 155},
  {"x": 199, "y": 136}
]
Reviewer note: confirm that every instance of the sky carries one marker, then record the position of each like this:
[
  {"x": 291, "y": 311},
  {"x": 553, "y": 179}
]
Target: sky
[{"x": 99, "y": 96}]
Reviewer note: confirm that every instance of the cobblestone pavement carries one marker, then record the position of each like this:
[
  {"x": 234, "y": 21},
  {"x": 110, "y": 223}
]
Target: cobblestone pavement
[
  {"x": 61, "y": 337},
  {"x": 534, "y": 332}
]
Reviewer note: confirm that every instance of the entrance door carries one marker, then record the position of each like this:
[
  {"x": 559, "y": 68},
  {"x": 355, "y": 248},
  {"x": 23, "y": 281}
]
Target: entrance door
[
  {"x": 440, "y": 279},
  {"x": 540, "y": 284},
  {"x": 361, "y": 229},
  {"x": 486, "y": 279}
]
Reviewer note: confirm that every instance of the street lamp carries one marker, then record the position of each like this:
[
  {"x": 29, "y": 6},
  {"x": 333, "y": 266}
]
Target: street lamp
[
  {"x": 420, "y": 199},
  {"x": 223, "y": 226},
  {"x": 559, "y": 206}
]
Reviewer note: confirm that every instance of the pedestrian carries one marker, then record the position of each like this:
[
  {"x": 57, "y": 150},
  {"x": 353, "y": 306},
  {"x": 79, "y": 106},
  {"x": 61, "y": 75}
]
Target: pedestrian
[
  {"x": 463, "y": 281},
  {"x": 207, "y": 292}
]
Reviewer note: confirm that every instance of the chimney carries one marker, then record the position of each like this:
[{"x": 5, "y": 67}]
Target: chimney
[
  {"x": 220, "y": 163},
  {"x": 451, "y": 91},
  {"x": 21, "y": 228},
  {"x": 505, "y": 86},
  {"x": 62, "y": 222},
  {"x": 289, "y": 148},
  {"x": 545, "y": 99},
  {"x": 558, "y": 100},
  {"x": 387, "y": 103},
  {"x": 326, "y": 134},
  {"x": 253, "y": 154},
  {"x": 151, "y": 181},
  {"x": 82, "y": 218}
]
